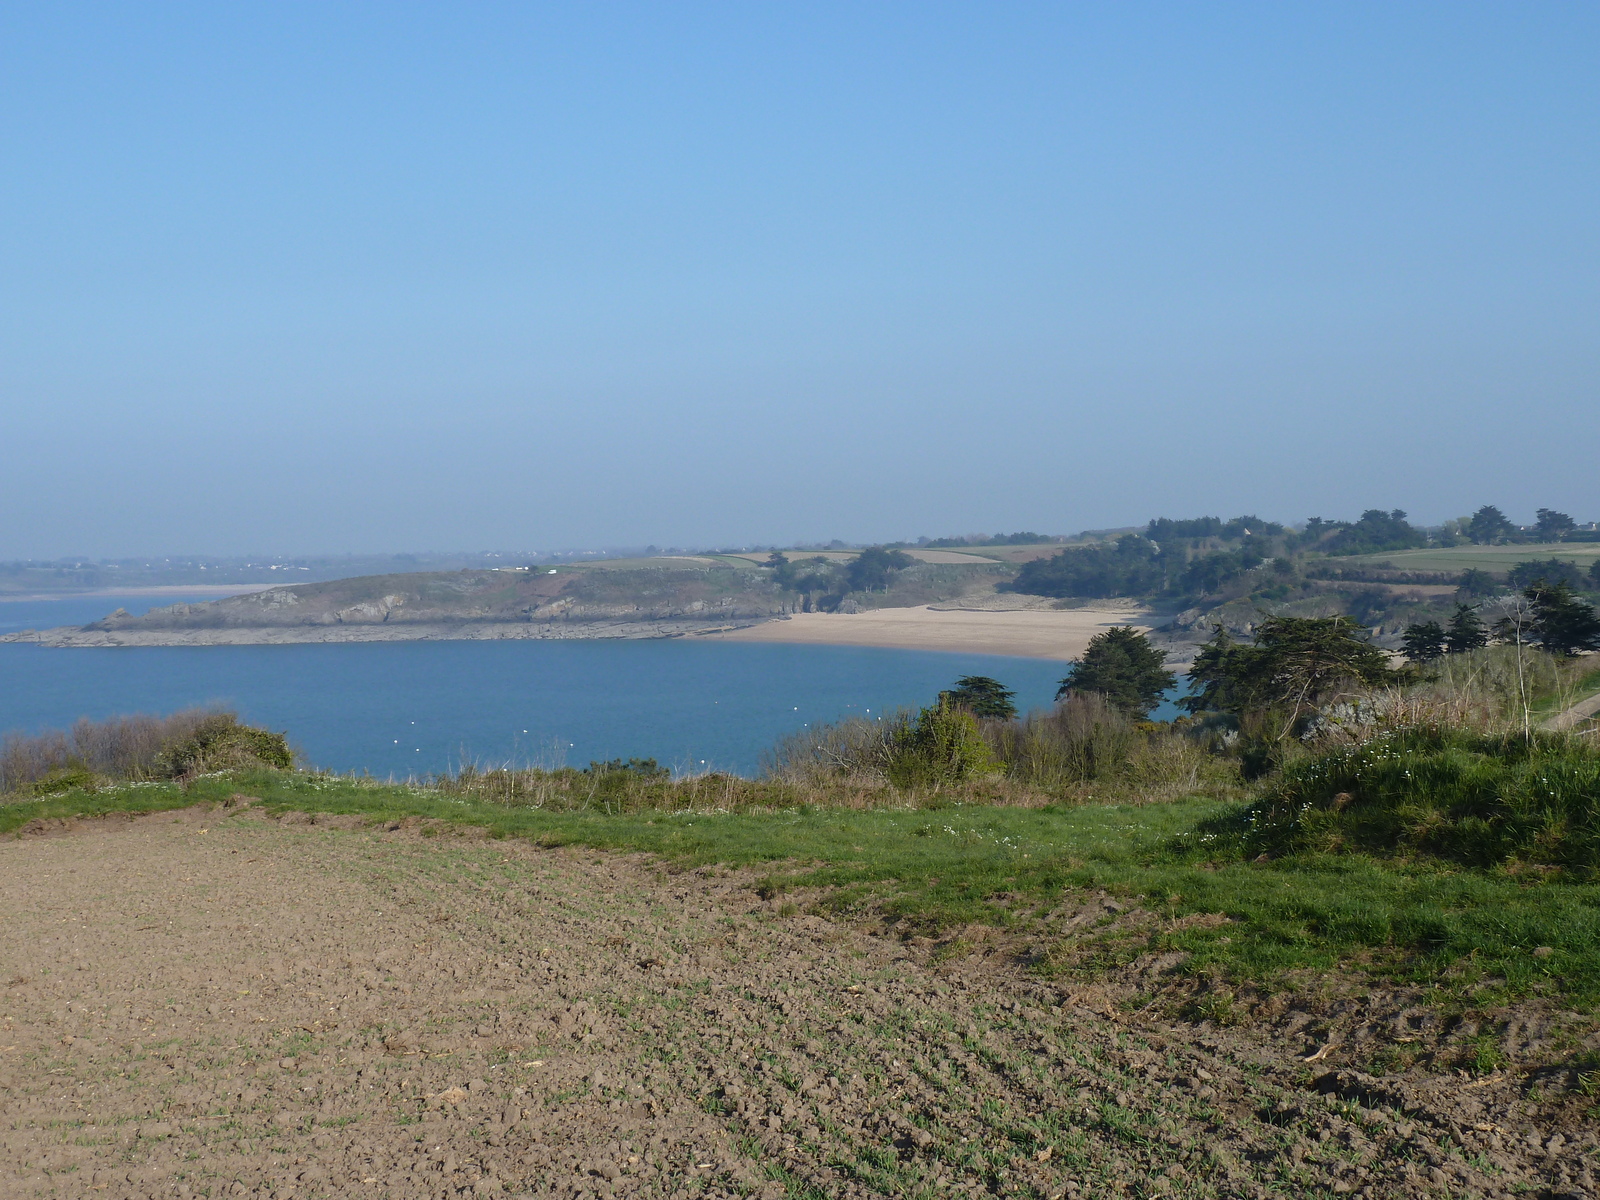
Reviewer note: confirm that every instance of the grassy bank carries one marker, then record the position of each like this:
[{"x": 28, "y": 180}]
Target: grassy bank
[{"x": 936, "y": 866}]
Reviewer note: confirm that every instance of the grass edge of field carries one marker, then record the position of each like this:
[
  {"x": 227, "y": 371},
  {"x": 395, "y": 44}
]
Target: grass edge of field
[{"x": 1467, "y": 936}]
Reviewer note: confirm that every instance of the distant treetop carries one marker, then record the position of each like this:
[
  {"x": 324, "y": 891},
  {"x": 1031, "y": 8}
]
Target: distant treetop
[
  {"x": 1552, "y": 526},
  {"x": 1025, "y": 538},
  {"x": 1164, "y": 529},
  {"x": 1489, "y": 525},
  {"x": 1375, "y": 533}
]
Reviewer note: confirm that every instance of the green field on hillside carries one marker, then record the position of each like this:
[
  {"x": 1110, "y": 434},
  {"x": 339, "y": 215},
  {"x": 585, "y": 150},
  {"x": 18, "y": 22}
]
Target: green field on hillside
[{"x": 1484, "y": 558}]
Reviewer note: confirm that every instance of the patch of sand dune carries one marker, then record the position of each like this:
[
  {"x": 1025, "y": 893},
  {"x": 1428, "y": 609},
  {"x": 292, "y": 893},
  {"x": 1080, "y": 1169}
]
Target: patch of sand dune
[{"x": 1034, "y": 633}]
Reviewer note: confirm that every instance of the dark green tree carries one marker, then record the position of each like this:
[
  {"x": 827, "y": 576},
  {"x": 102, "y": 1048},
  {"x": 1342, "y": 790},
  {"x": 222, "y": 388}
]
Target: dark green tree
[
  {"x": 1424, "y": 642},
  {"x": 1562, "y": 623},
  {"x": 1124, "y": 667},
  {"x": 982, "y": 697},
  {"x": 1295, "y": 665},
  {"x": 1376, "y": 532},
  {"x": 783, "y": 572},
  {"x": 1465, "y": 631},
  {"x": 1474, "y": 582},
  {"x": 871, "y": 570},
  {"x": 1550, "y": 571},
  {"x": 1594, "y": 574},
  {"x": 1552, "y": 526},
  {"x": 1133, "y": 566},
  {"x": 1489, "y": 525},
  {"x": 1165, "y": 529},
  {"x": 810, "y": 577},
  {"x": 1211, "y": 572}
]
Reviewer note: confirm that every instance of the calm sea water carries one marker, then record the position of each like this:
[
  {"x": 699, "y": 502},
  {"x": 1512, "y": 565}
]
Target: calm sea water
[{"x": 411, "y": 708}]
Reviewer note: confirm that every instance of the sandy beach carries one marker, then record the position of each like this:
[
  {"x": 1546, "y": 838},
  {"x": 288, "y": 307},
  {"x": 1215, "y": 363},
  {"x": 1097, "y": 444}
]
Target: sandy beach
[{"x": 1033, "y": 633}]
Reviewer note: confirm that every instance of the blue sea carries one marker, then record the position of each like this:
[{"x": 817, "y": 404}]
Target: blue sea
[{"x": 401, "y": 709}]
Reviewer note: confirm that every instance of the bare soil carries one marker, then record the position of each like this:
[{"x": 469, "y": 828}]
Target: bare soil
[{"x": 215, "y": 1002}]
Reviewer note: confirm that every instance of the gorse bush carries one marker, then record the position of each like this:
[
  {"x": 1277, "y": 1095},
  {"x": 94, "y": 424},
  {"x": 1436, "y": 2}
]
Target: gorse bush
[
  {"x": 1483, "y": 799},
  {"x": 220, "y": 743},
  {"x": 135, "y": 748},
  {"x": 942, "y": 745}
]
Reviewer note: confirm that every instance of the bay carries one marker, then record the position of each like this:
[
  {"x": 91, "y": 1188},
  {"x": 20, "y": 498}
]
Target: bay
[{"x": 403, "y": 709}]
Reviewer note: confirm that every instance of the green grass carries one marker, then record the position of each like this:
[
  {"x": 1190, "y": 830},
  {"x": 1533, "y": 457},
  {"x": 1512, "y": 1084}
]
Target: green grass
[
  {"x": 1469, "y": 930},
  {"x": 1486, "y": 800},
  {"x": 1484, "y": 558}
]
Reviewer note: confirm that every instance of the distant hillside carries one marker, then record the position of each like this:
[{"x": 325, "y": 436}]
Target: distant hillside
[
  {"x": 640, "y": 601},
  {"x": 668, "y": 596}
]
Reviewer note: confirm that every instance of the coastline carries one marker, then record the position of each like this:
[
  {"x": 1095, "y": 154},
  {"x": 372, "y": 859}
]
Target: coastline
[
  {"x": 75, "y": 638},
  {"x": 1031, "y": 632},
  {"x": 219, "y": 591}
]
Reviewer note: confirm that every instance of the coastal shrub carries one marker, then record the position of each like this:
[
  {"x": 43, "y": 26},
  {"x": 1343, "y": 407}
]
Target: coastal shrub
[
  {"x": 624, "y": 769},
  {"x": 942, "y": 745},
  {"x": 220, "y": 743},
  {"x": 1482, "y": 799},
  {"x": 1083, "y": 748},
  {"x": 65, "y": 779},
  {"x": 1085, "y": 740},
  {"x": 137, "y": 747},
  {"x": 856, "y": 749}
]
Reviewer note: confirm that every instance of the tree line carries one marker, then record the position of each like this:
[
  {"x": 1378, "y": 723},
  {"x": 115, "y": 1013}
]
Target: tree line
[{"x": 1202, "y": 556}]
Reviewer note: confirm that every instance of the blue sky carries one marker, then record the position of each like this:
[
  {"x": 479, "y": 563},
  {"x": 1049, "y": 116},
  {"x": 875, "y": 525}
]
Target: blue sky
[{"x": 329, "y": 277}]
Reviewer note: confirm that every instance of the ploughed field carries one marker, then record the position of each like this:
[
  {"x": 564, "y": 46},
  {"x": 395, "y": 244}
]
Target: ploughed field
[{"x": 213, "y": 1001}]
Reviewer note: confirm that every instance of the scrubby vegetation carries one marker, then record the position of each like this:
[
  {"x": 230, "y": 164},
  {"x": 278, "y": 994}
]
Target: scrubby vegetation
[
  {"x": 135, "y": 749},
  {"x": 1484, "y": 799}
]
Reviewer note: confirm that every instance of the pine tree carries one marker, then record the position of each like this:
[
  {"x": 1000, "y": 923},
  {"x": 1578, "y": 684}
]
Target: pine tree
[
  {"x": 1124, "y": 667},
  {"x": 1489, "y": 525},
  {"x": 1465, "y": 632},
  {"x": 1424, "y": 642},
  {"x": 1552, "y": 526},
  {"x": 1562, "y": 623},
  {"x": 982, "y": 697}
]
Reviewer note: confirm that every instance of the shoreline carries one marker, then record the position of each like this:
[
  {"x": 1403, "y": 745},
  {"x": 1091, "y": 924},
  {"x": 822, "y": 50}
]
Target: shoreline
[
  {"x": 73, "y": 637},
  {"x": 1038, "y": 633},
  {"x": 219, "y": 591}
]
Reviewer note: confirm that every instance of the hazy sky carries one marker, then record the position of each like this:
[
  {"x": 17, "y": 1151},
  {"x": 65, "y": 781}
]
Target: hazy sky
[{"x": 327, "y": 277}]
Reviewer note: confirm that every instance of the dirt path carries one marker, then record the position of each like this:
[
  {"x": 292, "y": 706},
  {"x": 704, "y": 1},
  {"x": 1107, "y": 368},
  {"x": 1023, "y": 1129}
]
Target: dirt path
[
  {"x": 219, "y": 1004},
  {"x": 1572, "y": 718}
]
